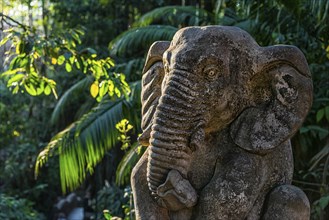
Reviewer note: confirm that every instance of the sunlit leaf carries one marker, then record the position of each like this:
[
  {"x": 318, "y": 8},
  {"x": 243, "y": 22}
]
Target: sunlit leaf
[
  {"x": 60, "y": 60},
  {"x": 68, "y": 67},
  {"x": 40, "y": 89},
  {"x": 72, "y": 60},
  {"x": 19, "y": 47},
  {"x": 110, "y": 61},
  {"x": 94, "y": 89},
  {"x": 77, "y": 64},
  {"x": 104, "y": 86},
  {"x": 111, "y": 87},
  {"x": 30, "y": 89},
  {"x": 8, "y": 30},
  {"x": 76, "y": 37},
  {"x": 15, "y": 90},
  {"x": 4, "y": 40},
  {"x": 53, "y": 60},
  {"x": 36, "y": 55},
  {"x": 47, "y": 90},
  {"x": 15, "y": 79},
  {"x": 107, "y": 214},
  {"x": 11, "y": 72},
  {"x": 117, "y": 92}
]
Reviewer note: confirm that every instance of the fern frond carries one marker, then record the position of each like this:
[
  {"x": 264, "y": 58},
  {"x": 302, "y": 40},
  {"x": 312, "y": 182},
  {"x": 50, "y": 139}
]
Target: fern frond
[
  {"x": 136, "y": 41},
  {"x": 176, "y": 16}
]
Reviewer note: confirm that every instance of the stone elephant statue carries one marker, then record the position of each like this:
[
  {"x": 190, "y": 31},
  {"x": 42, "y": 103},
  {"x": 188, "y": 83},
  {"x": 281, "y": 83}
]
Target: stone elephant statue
[{"x": 218, "y": 112}]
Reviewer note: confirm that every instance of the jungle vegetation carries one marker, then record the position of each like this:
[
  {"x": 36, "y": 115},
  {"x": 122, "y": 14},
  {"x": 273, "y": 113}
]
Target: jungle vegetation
[{"x": 70, "y": 93}]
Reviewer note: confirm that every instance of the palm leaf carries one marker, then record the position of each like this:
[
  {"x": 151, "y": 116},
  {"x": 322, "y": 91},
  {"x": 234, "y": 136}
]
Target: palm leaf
[
  {"x": 67, "y": 98},
  {"x": 175, "y": 16},
  {"x": 132, "y": 156},
  {"x": 136, "y": 41},
  {"x": 132, "y": 69},
  {"x": 83, "y": 144},
  {"x": 321, "y": 9},
  {"x": 127, "y": 163}
]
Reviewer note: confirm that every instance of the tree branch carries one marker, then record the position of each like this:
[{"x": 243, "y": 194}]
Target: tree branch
[{"x": 6, "y": 17}]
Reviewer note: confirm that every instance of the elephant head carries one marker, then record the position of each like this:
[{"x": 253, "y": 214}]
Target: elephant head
[{"x": 213, "y": 78}]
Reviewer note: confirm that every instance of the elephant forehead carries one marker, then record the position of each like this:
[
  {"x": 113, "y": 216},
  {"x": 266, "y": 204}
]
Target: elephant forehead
[
  {"x": 228, "y": 36},
  {"x": 187, "y": 56},
  {"x": 215, "y": 44}
]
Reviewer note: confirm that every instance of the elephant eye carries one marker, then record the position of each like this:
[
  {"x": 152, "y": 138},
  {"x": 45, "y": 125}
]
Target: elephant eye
[{"x": 211, "y": 72}]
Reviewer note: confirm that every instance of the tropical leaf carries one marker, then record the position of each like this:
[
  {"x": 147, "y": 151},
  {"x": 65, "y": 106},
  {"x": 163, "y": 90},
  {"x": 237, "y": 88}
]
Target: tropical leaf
[
  {"x": 321, "y": 9},
  {"x": 83, "y": 144},
  {"x": 132, "y": 69},
  {"x": 66, "y": 99},
  {"x": 178, "y": 16},
  {"x": 127, "y": 163},
  {"x": 136, "y": 41}
]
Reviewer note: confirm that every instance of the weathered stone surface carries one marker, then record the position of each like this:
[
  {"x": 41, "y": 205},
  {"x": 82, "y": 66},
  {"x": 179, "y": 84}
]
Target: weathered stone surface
[{"x": 218, "y": 114}]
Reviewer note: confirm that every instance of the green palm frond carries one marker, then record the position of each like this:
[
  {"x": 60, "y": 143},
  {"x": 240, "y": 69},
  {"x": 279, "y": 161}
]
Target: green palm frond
[
  {"x": 321, "y": 9},
  {"x": 67, "y": 97},
  {"x": 136, "y": 41},
  {"x": 127, "y": 163},
  {"x": 178, "y": 16},
  {"x": 83, "y": 144},
  {"x": 132, "y": 69}
]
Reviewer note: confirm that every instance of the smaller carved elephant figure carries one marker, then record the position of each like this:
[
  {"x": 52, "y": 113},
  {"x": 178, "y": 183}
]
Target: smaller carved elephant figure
[{"x": 218, "y": 112}]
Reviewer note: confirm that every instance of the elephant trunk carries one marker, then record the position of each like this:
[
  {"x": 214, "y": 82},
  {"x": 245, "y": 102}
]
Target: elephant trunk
[{"x": 172, "y": 128}]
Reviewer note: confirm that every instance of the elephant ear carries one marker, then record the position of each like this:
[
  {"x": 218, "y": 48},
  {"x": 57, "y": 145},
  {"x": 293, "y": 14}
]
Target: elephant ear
[
  {"x": 153, "y": 74},
  {"x": 281, "y": 93}
]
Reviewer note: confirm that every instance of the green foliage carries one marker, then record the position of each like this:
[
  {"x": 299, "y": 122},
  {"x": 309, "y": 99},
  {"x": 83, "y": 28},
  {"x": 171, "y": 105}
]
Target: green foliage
[
  {"x": 107, "y": 214},
  {"x": 68, "y": 97},
  {"x": 113, "y": 201},
  {"x": 35, "y": 53},
  {"x": 62, "y": 61},
  {"x": 124, "y": 127},
  {"x": 319, "y": 206},
  {"x": 178, "y": 16},
  {"x": 127, "y": 163},
  {"x": 82, "y": 144},
  {"x": 134, "y": 42},
  {"x": 17, "y": 208}
]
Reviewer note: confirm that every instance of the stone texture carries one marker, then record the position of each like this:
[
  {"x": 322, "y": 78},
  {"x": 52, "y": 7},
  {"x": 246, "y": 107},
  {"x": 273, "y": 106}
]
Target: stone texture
[{"x": 218, "y": 112}]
